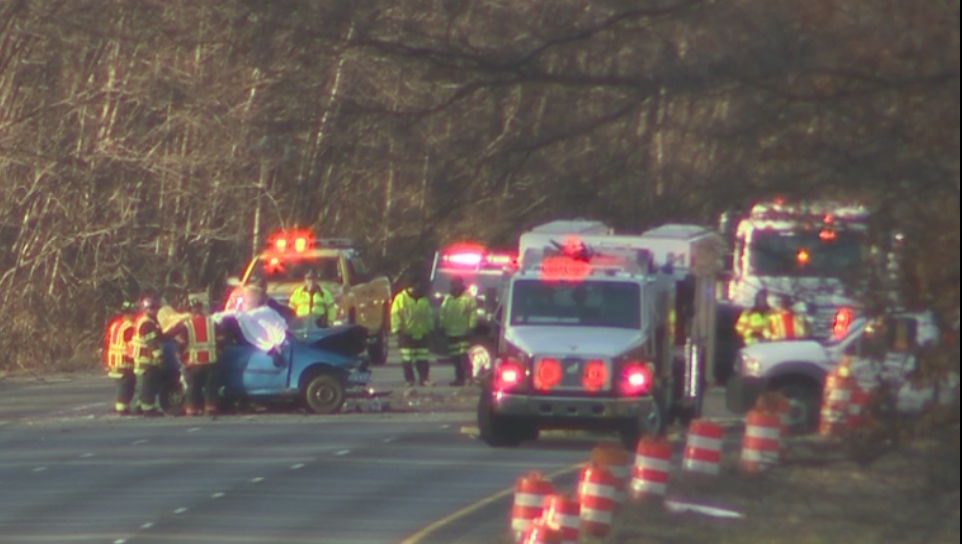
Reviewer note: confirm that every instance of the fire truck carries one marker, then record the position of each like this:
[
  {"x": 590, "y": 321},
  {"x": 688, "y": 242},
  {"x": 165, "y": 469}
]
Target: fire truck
[
  {"x": 362, "y": 298},
  {"x": 602, "y": 332}
]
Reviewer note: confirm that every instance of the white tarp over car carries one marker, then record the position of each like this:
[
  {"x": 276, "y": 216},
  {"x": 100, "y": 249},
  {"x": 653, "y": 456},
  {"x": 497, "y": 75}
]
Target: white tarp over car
[{"x": 263, "y": 326}]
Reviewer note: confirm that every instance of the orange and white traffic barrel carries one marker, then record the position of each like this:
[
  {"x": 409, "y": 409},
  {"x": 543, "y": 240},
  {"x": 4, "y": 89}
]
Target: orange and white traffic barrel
[
  {"x": 617, "y": 460},
  {"x": 596, "y": 494},
  {"x": 856, "y": 408},
  {"x": 703, "y": 448},
  {"x": 761, "y": 446},
  {"x": 563, "y": 512},
  {"x": 836, "y": 397},
  {"x": 529, "y": 495},
  {"x": 652, "y": 464},
  {"x": 541, "y": 532},
  {"x": 775, "y": 402}
]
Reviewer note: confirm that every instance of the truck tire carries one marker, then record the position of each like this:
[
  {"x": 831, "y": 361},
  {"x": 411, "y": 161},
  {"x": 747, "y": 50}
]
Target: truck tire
[
  {"x": 804, "y": 399},
  {"x": 324, "y": 394},
  {"x": 653, "y": 425},
  {"x": 499, "y": 431}
]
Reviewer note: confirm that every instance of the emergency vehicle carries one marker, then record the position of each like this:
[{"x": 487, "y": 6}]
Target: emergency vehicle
[
  {"x": 362, "y": 298},
  {"x": 602, "y": 332},
  {"x": 805, "y": 250},
  {"x": 879, "y": 351},
  {"x": 483, "y": 271}
]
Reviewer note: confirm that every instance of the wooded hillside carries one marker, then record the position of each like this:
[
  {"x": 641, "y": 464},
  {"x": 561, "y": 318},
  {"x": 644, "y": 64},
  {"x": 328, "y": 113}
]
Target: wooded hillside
[{"x": 152, "y": 143}]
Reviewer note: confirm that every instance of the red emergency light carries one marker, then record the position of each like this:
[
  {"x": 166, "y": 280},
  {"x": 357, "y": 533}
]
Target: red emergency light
[
  {"x": 547, "y": 375},
  {"x": 595, "y": 376},
  {"x": 298, "y": 241},
  {"x": 843, "y": 320},
  {"x": 563, "y": 267},
  {"x": 509, "y": 375},
  {"x": 635, "y": 379},
  {"x": 469, "y": 255}
]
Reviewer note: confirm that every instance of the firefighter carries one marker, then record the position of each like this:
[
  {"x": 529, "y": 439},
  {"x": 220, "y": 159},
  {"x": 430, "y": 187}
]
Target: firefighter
[
  {"x": 120, "y": 363},
  {"x": 458, "y": 317},
  {"x": 412, "y": 320},
  {"x": 753, "y": 323},
  {"x": 311, "y": 300},
  {"x": 148, "y": 355},
  {"x": 197, "y": 338},
  {"x": 786, "y": 324}
]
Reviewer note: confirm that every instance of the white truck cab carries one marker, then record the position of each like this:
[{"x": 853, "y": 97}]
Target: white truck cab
[{"x": 879, "y": 351}]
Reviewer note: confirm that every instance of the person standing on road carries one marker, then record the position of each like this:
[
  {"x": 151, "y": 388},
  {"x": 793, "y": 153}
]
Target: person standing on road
[
  {"x": 458, "y": 316},
  {"x": 753, "y": 323},
  {"x": 312, "y": 301},
  {"x": 412, "y": 320},
  {"x": 148, "y": 355},
  {"x": 120, "y": 362},
  {"x": 785, "y": 323},
  {"x": 197, "y": 338}
]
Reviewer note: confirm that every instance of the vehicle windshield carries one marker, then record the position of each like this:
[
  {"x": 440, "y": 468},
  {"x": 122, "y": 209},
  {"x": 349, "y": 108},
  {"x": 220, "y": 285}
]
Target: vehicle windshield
[
  {"x": 804, "y": 253},
  {"x": 486, "y": 284},
  {"x": 293, "y": 269},
  {"x": 583, "y": 304}
]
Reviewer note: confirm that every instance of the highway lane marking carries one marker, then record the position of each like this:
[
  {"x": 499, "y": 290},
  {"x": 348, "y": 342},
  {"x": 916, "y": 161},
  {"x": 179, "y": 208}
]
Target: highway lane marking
[
  {"x": 2, "y": 423},
  {"x": 342, "y": 453},
  {"x": 257, "y": 480},
  {"x": 217, "y": 495},
  {"x": 179, "y": 511},
  {"x": 147, "y": 525},
  {"x": 423, "y": 534},
  {"x": 138, "y": 442},
  {"x": 445, "y": 426},
  {"x": 86, "y": 456},
  {"x": 388, "y": 440},
  {"x": 40, "y": 469},
  {"x": 298, "y": 466},
  {"x": 120, "y": 541},
  {"x": 193, "y": 429}
]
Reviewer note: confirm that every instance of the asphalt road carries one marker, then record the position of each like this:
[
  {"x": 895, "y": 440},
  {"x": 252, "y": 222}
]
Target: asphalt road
[{"x": 71, "y": 472}]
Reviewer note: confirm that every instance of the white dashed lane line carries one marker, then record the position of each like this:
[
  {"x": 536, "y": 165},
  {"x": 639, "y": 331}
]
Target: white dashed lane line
[
  {"x": 342, "y": 453},
  {"x": 86, "y": 456},
  {"x": 146, "y": 526},
  {"x": 193, "y": 429},
  {"x": 217, "y": 495},
  {"x": 138, "y": 442},
  {"x": 257, "y": 480},
  {"x": 297, "y": 466},
  {"x": 40, "y": 469},
  {"x": 179, "y": 511},
  {"x": 388, "y": 440}
]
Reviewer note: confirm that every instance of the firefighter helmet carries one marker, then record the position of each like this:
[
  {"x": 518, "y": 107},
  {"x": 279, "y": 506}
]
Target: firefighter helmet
[{"x": 150, "y": 302}]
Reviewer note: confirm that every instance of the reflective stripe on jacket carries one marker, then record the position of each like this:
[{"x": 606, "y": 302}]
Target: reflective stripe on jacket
[
  {"x": 410, "y": 316},
  {"x": 787, "y": 325},
  {"x": 458, "y": 315},
  {"x": 146, "y": 343},
  {"x": 320, "y": 303},
  {"x": 118, "y": 344},
  {"x": 753, "y": 326},
  {"x": 201, "y": 342}
]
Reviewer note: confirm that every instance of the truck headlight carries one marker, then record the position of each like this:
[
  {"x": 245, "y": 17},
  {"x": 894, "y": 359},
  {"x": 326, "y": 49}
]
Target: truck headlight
[{"x": 750, "y": 366}]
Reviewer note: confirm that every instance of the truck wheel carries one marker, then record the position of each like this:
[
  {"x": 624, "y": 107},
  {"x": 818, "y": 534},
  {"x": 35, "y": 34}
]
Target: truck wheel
[
  {"x": 377, "y": 351},
  {"x": 498, "y": 431},
  {"x": 324, "y": 394},
  {"x": 804, "y": 400}
]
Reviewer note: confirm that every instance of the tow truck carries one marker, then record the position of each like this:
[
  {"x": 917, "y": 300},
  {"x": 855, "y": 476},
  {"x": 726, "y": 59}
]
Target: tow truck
[
  {"x": 483, "y": 271},
  {"x": 362, "y": 298},
  {"x": 590, "y": 336}
]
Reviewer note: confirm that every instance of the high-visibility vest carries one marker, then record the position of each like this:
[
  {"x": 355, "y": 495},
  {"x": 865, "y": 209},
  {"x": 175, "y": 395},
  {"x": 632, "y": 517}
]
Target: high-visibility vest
[
  {"x": 319, "y": 303},
  {"x": 201, "y": 341},
  {"x": 458, "y": 315},
  {"x": 119, "y": 352},
  {"x": 147, "y": 350},
  {"x": 787, "y": 325},
  {"x": 411, "y": 317},
  {"x": 753, "y": 326}
]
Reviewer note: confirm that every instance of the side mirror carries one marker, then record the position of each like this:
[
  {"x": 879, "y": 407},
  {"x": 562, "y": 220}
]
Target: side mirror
[{"x": 233, "y": 281}]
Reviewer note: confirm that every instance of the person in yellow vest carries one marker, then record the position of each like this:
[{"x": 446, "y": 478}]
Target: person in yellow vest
[
  {"x": 412, "y": 320},
  {"x": 197, "y": 338},
  {"x": 458, "y": 316},
  {"x": 753, "y": 323},
  {"x": 148, "y": 355},
  {"x": 311, "y": 300},
  {"x": 119, "y": 360},
  {"x": 785, "y": 323}
]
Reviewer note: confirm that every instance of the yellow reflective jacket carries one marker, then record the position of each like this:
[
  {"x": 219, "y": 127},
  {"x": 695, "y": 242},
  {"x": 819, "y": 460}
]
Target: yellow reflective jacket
[
  {"x": 410, "y": 316},
  {"x": 753, "y": 326},
  {"x": 787, "y": 325},
  {"x": 320, "y": 303},
  {"x": 458, "y": 315}
]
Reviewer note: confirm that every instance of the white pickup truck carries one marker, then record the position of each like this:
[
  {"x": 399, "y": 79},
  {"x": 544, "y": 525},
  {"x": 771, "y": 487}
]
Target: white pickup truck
[{"x": 880, "y": 351}]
